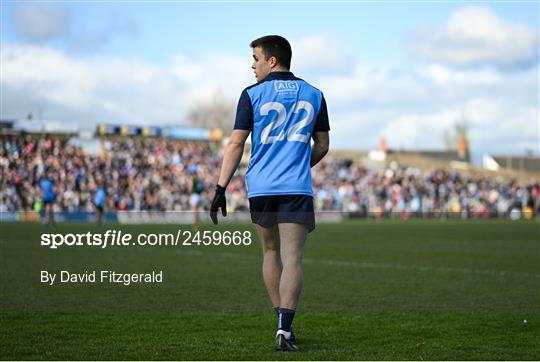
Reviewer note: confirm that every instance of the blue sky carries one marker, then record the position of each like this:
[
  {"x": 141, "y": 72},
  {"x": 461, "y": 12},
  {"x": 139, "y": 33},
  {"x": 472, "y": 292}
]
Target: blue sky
[
  {"x": 375, "y": 32},
  {"x": 400, "y": 70}
]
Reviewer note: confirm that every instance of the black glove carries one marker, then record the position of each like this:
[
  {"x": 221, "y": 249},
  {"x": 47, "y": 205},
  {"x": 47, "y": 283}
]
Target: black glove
[{"x": 219, "y": 201}]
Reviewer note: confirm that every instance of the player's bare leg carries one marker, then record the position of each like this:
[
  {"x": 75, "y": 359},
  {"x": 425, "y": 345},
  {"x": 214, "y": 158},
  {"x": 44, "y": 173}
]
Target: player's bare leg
[
  {"x": 271, "y": 261},
  {"x": 293, "y": 238},
  {"x": 197, "y": 225},
  {"x": 99, "y": 214},
  {"x": 49, "y": 215}
]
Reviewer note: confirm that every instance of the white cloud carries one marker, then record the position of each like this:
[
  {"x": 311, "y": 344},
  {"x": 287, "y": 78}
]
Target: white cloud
[
  {"x": 316, "y": 53},
  {"x": 40, "y": 22},
  {"x": 412, "y": 107},
  {"x": 120, "y": 90},
  {"x": 445, "y": 76},
  {"x": 409, "y": 106},
  {"x": 47, "y": 22},
  {"x": 115, "y": 25},
  {"x": 475, "y": 35}
]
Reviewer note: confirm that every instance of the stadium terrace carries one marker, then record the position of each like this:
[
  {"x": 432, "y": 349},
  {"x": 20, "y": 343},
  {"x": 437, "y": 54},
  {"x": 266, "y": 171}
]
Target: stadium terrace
[{"x": 144, "y": 173}]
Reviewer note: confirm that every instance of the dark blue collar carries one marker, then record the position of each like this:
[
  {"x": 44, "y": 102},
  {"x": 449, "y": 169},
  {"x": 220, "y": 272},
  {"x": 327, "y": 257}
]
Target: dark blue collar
[{"x": 279, "y": 75}]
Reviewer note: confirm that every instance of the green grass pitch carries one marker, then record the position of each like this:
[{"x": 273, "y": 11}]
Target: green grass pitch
[{"x": 373, "y": 290}]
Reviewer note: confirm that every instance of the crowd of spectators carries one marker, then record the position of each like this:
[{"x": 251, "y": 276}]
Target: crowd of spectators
[
  {"x": 406, "y": 191},
  {"x": 142, "y": 174}
]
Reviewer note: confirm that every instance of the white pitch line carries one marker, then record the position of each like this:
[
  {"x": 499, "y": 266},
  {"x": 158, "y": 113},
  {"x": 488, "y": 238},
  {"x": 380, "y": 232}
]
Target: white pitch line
[
  {"x": 367, "y": 265},
  {"x": 442, "y": 269}
]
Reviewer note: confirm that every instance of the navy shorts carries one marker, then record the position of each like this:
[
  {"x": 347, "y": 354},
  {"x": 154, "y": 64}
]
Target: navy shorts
[{"x": 268, "y": 211}]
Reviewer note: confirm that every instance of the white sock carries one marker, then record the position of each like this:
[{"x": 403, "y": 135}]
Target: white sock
[{"x": 285, "y": 334}]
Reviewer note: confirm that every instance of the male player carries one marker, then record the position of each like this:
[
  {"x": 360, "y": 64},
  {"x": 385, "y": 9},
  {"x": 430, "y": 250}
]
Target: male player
[
  {"x": 100, "y": 197},
  {"x": 195, "y": 200},
  {"x": 46, "y": 188},
  {"x": 282, "y": 113}
]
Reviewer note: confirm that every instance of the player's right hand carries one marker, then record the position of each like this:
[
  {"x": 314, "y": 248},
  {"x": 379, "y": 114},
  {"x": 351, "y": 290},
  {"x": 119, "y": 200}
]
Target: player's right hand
[{"x": 219, "y": 201}]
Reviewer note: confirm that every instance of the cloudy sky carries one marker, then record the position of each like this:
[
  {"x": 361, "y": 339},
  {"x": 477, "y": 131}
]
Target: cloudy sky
[{"x": 405, "y": 71}]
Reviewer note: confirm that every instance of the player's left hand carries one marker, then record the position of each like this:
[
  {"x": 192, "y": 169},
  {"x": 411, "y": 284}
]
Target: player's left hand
[{"x": 219, "y": 202}]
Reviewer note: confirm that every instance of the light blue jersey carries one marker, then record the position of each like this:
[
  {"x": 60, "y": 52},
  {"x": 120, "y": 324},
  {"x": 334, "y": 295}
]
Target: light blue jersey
[
  {"x": 46, "y": 186},
  {"x": 100, "y": 197},
  {"x": 282, "y": 112}
]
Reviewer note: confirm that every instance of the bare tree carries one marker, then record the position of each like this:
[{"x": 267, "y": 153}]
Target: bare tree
[
  {"x": 217, "y": 112},
  {"x": 449, "y": 143}
]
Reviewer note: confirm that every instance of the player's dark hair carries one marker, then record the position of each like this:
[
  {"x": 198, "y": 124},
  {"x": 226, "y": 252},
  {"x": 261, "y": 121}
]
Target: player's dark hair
[{"x": 275, "y": 46}]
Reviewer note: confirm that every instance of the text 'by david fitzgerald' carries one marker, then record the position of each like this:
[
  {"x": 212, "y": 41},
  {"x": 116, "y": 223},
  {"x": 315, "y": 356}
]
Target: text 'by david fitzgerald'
[{"x": 100, "y": 276}]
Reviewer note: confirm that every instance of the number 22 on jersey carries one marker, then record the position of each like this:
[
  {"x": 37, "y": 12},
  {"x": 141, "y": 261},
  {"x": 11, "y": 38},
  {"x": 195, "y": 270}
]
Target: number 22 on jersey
[{"x": 293, "y": 133}]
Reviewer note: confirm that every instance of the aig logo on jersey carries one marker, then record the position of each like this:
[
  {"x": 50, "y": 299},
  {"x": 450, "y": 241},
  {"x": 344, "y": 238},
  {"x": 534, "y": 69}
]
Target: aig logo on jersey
[{"x": 286, "y": 86}]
